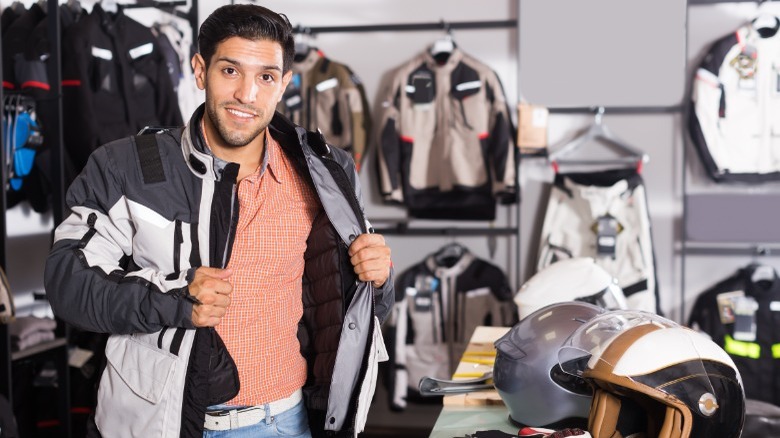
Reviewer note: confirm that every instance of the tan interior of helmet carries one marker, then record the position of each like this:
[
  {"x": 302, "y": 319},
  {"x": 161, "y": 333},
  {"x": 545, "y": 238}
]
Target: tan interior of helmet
[
  {"x": 673, "y": 424},
  {"x": 602, "y": 421}
]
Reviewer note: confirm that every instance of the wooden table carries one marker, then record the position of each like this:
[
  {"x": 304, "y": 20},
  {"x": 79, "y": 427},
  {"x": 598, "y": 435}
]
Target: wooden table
[{"x": 480, "y": 410}]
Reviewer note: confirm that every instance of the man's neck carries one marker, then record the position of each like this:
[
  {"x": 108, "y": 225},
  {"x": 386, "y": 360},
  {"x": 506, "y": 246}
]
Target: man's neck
[{"x": 248, "y": 157}]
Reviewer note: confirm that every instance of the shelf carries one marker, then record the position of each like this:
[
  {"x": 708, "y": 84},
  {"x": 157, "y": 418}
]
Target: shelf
[
  {"x": 732, "y": 248},
  {"x": 404, "y": 230},
  {"x": 40, "y": 348}
]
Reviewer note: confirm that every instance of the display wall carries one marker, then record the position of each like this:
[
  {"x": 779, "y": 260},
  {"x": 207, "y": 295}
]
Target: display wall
[{"x": 597, "y": 48}]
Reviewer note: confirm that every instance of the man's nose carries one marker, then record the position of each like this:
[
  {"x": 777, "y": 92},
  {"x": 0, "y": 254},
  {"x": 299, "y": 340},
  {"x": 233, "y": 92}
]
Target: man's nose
[{"x": 247, "y": 91}]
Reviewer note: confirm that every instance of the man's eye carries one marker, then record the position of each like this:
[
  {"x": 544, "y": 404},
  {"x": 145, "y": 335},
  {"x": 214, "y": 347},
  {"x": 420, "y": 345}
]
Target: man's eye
[
  {"x": 230, "y": 70},
  {"x": 267, "y": 77}
]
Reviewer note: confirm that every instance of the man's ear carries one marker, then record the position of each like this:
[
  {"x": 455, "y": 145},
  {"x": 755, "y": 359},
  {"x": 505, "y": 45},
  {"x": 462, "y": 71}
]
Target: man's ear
[
  {"x": 285, "y": 81},
  {"x": 199, "y": 70}
]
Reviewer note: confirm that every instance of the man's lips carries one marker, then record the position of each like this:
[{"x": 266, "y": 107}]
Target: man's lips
[{"x": 241, "y": 113}]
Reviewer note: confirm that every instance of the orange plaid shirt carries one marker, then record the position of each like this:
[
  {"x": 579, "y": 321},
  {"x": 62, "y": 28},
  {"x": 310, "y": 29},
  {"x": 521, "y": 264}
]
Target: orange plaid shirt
[{"x": 276, "y": 212}]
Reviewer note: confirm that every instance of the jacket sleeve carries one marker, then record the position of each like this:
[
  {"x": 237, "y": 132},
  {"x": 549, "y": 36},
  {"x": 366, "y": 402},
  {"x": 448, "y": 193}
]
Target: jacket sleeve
[
  {"x": 354, "y": 103},
  {"x": 167, "y": 104},
  {"x": 87, "y": 279},
  {"x": 397, "y": 377},
  {"x": 388, "y": 151},
  {"x": 501, "y": 143}
]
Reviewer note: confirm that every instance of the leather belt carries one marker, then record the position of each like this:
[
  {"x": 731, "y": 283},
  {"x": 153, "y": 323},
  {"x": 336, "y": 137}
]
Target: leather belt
[{"x": 235, "y": 418}]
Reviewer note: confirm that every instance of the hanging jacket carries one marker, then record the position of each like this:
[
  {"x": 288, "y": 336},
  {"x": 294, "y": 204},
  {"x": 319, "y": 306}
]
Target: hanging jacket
[
  {"x": 326, "y": 95},
  {"x": 758, "y": 361},
  {"x": 446, "y": 148},
  {"x": 145, "y": 214},
  {"x": 115, "y": 82},
  {"x": 603, "y": 215},
  {"x": 735, "y": 116},
  {"x": 15, "y": 42},
  {"x": 438, "y": 305},
  {"x": 32, "y": 79},
  {"x": 9, "y": 15},
  {"x": 189, "y": 95}
]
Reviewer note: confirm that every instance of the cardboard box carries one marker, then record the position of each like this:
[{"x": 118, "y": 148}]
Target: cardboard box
[{"x": 532, "y": 128}]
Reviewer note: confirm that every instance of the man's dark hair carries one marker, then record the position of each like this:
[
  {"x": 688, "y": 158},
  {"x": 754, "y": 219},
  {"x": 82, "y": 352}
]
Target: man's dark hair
[{"x": 251, "y": 22}]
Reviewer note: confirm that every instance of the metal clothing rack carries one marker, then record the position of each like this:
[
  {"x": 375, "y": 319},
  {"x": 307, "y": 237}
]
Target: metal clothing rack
[
  {"x": 734, "y": 249},
  {"x": 396, "y": 27},
  {"x": 57, "y": 350},
  {"x": 403, "y": 229},
  {"x": 170, "y": 7},
  {"x": 623, "y": 110}
]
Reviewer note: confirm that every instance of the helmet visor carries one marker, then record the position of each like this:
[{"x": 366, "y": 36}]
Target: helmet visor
[{"x": 586, "y": 344}]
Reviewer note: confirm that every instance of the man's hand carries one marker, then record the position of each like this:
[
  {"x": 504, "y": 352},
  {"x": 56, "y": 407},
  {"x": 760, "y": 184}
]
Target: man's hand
[
  {"x": 212, "y": 292},
  {"x": 370, "y": 257}
]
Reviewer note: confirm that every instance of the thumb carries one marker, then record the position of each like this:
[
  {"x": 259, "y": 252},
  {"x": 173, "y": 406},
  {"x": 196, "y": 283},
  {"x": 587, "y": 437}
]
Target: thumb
[{"x": 216, "y": 272}]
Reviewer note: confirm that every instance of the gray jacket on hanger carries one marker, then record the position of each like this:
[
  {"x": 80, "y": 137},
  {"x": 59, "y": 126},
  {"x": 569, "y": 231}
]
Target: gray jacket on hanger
[{"x": 145, "y": 213}]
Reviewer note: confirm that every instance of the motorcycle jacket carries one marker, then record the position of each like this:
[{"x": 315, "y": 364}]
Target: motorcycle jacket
[
  {"x": 115, "y": 82},
  {"x": 735, "y": 116},
  {"x": 446, "y": 145},
  {"x": 326, "y": 95}
]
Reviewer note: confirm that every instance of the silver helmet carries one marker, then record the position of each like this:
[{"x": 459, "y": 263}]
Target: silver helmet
[{"x": 527, "y": 374}]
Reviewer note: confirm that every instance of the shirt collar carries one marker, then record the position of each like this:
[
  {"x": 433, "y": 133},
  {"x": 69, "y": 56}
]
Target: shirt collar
[{"x": 270, "y": 156}]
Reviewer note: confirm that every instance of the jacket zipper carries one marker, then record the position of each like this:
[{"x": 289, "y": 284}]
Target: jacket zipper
[
  {"x": 230, "y": 226},
  {"x": 178, "y": 240}
]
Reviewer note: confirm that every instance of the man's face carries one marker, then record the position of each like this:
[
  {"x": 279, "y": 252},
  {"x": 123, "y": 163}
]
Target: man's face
[{"x": 243, "y": 84}]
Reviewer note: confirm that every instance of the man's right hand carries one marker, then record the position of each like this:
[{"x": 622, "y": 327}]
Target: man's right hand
[{"x": 211, "y": 289}]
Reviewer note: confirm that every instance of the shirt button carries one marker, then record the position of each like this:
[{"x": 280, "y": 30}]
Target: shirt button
[
  {"x": 351, "y": 237},
  {"x": 352, "y": 326}
]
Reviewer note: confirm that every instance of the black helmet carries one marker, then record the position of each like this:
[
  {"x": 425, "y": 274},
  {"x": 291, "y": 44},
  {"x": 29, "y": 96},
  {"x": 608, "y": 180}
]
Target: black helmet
[
  {"x": 655, "y": 378},
  {"x": 527, "y": 375}
]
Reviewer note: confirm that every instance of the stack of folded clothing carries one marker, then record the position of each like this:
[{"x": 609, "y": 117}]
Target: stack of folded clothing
[{"x": 28, "y": 331}]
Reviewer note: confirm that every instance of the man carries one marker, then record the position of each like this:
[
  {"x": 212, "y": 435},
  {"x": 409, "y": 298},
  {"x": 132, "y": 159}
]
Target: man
[{"x": 230, "y": 260}]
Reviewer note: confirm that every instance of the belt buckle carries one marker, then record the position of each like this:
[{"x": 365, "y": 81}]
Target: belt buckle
[
  {"x": 226, "y": 412},
  {"x": 218, "y": 413}
]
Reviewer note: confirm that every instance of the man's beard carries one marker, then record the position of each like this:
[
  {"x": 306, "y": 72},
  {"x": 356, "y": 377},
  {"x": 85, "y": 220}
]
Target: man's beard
[{"x": 234, "y": 138}]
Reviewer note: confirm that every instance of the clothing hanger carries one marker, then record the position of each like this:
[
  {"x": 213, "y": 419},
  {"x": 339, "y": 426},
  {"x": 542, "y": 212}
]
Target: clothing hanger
[
  {"x": 442, "y": 48},
  {"x": 18, "y": 7},
  {"x": 761, "y": 271},
  {"x": 75, "y": 6},
  {"x": 765, "y": 23},
  {"x": 598, "y": 132},
  {"x": 449, "y": 254},
  {"x": 110, "y": 6},
  {"x": 303, "y": 42}
]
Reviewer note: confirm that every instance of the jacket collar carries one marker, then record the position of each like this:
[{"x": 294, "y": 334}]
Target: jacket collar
[
  {"x": 108, "y": 21},
  {"x": 295, "y": 141}
]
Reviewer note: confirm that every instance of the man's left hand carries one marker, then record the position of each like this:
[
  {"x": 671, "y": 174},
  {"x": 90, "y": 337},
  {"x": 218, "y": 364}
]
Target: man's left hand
[{"x": 370, "y": 257}]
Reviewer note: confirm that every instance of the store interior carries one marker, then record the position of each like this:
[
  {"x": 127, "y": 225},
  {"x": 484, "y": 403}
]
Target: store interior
[{"x": 609, "y": 84}]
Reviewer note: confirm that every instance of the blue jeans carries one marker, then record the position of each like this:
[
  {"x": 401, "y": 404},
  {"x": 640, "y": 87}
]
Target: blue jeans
[{"x": 290, "y": 423}]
